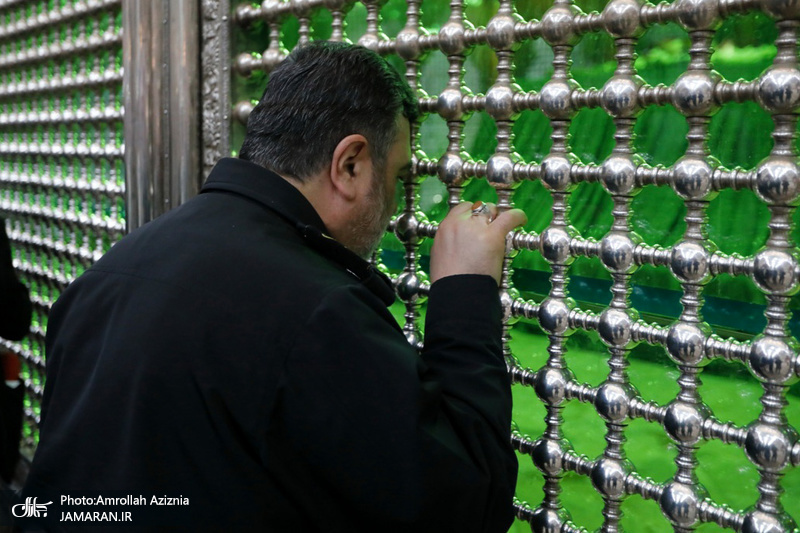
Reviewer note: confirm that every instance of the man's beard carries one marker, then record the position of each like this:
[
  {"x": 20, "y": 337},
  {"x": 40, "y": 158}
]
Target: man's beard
[{"x": 368, "y": 229}]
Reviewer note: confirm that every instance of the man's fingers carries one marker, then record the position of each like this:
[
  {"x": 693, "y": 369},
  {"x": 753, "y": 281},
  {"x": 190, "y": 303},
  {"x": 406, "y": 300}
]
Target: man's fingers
[
  {"x": 468, "y": 243},
  {"x": 508, "y": 220},
  {"x": 484, "y": 211},
  {"x": 492, "y": 211},
  {"x": 461, "y": 208}
]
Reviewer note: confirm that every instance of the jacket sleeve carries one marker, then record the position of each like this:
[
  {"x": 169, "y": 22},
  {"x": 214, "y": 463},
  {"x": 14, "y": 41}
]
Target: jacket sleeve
[
  {"x": 15, "y": 309},
  {"x": 406, "y": 442}
]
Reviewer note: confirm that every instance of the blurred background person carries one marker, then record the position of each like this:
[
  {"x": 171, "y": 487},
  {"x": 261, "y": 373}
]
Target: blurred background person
[{"x": 15, "y": 320}]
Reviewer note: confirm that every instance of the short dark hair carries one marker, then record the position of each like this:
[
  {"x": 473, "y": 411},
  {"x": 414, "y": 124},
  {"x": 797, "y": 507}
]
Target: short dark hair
[{"x": 322, "y": 92}]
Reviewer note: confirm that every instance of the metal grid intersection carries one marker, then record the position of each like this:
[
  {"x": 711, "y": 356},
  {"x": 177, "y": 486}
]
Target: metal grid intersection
[
  {"x": 769, "y": 442},
  {"x": 61, "y": 169}
]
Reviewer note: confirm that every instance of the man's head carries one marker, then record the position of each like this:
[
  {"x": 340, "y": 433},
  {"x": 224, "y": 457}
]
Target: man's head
[
  {"x": 334, "y": 120},
  {"x": 322, "y": 92}
]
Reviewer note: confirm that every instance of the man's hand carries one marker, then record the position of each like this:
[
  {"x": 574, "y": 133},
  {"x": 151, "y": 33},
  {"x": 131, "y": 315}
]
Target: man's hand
[{"x": 472, "y": 244}]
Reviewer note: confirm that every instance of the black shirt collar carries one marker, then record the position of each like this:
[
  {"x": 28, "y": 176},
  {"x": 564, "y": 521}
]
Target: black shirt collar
[{"x": 276, "y": 194}]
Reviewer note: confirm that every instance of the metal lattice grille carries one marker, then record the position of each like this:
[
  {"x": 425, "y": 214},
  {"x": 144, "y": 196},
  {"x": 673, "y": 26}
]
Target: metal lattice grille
[
  {"x": 769, "y": 441},
  {"x": 61, "y": 148}
]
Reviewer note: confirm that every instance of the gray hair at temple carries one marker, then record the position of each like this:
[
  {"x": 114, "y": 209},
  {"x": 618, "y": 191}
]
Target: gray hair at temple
[{"x": 322, "y": 92}]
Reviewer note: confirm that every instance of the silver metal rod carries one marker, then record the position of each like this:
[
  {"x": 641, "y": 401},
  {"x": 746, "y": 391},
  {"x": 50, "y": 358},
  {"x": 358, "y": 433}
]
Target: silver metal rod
[{"x": 161, "y": 92}]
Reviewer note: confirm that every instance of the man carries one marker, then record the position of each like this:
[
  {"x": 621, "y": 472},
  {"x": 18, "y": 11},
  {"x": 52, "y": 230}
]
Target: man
[
  {"x": 15, "y": 310},
  {"x": 238, "y": 351},
  {"x": 15, "y": 321}
]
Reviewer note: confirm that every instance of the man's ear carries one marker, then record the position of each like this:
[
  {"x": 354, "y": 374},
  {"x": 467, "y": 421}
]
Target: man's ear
[{"x": 351, "y": 166}]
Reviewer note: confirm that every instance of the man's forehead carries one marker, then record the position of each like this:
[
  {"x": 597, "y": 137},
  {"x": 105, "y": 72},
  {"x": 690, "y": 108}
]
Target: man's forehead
[{"x": 402, "y": 144}]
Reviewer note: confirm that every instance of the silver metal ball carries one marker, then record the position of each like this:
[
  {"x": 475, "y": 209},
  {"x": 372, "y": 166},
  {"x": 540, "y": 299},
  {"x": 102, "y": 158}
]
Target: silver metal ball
[
  {"x": 689, "y": 262},
  {"x": 769, "y": 447},
  {"x": 760, "y": 522},
  {"x": 451, "y": 38},
  {"x": 500, "y": 32},
  {"x": 301, "y": 8},
  {"x": 620, "y": 96},
  {"x": 779, "y": 89},
  {"x": 369, "y": 41},
  {"x": 554, "y": 245},
  {"x": 450, "y": 169},
  {"x": 335, "y": 5},
  {"x": 778, "y": 180},
  {"x": 550, "y": 384},
  {"x": 546, "y": 520},
  {"x": 558, "y": 25},
  {"x": 609, "y": 475},
  {"x": 771, "y": 359},
  {"x": 683, "y": 422},
  {"x": 449, "y": 105},
  {"x": 692, "y": 178},
  {"x": 407, "y": 44},
  {"x": 686, "y": 344},
  {"x": 616, "y": 253},
  {"x": 547, "y": 455},
  {"x": 507, "y": 299},
  {"x": 500, "y": 170},
  {"x": 416, "y": 177},
  {"x": 680, "y": 504},
  {"x": 693, "y": 93},
  {"x": 408, "y": 285},
  {"x": 621, "y": 18},
  {"x": 782, "y": 9},
  {"x": 246, "y": 63},
  {"x": 612, "y": 401},
  {"x": 616, "y": 327},
  {"x": 242, "y": 12},
  {"x": 775, "y": 271},
  {"x": 618, "y": 175},
  {"x": 556, "y": 172},
  {"x": 413, "y": 337},
  {"x": 272, "y": 57},
  {"x": 500, "y": 102},
  {"x": 698, "y": 14},
  {"x": 405, "y": 227},
  {"x": 555, "y": 100},
  {"x": 554, "y": 315},
  {"x": 242, "y": 110}
]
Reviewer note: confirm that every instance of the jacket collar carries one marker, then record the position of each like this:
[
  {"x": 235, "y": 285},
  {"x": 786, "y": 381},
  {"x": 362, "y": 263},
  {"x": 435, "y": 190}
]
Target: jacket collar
[
  {"x": 264, "y": 186},
  {"x": 276, "y": 194}
]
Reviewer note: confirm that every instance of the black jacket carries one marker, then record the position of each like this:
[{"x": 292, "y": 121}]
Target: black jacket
[
  {"x": 228, "y": 352},
  {"x": 15, "y": 305}
]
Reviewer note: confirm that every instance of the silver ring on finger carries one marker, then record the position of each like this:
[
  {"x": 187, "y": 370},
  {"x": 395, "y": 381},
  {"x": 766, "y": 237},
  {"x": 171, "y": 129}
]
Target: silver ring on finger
[{"x": 479, "y": 209}]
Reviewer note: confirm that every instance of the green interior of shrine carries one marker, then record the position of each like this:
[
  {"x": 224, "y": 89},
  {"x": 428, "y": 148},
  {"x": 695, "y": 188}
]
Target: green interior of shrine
[{"x": 739, "y": 136}]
